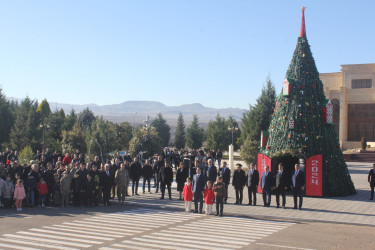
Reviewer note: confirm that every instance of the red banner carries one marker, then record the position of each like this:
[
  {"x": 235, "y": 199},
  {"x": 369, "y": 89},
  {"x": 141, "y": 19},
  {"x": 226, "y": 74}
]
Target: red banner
[
  {"x": 263, "y": 161},
  {"x": 314, "y": 176}
]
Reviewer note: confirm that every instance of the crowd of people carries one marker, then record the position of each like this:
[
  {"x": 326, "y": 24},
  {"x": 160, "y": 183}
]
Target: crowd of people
[{"x": 53, "y": 179}]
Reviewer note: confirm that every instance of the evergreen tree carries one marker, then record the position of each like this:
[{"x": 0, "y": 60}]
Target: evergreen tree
[
  {"x": 74, "y": 139},
  {"x": 70, "y": 120},
  {"x": 26, "y": 155},
  {"x": 103, "y": 133},
  {"x": 162, "y": 128},
  {"x": 25, "y": 130},
  {"x": 86, "y": 118},
  {"x": 44, "y": 110},
  {"x": 145, "y": 140},
  {"x": 310, "y": 132},
  {"x": 259, "y": 116},
  {"x": 54, "y": 128},
  {"x": 124, "y": 135},
  {"x": 194, "y": 134},
  {"x": 217, "y": 135},
  {"x": 6, "y": 118},
  {"x": 179, "y": 139}
]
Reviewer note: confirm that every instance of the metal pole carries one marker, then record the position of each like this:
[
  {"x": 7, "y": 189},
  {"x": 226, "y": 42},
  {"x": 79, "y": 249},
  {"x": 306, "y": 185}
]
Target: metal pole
[
  {"x": 89, "y": 150},
  {"x": 232, "y": 134},
  {"x": 44, "y": 132}
]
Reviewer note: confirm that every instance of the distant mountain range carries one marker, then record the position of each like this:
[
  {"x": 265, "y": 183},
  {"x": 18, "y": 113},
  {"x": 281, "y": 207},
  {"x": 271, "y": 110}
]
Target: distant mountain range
[{"x": 139, "y": 110}]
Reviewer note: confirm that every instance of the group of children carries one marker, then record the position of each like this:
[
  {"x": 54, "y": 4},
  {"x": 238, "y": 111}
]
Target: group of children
[
  {"x": 217, "y": 192},
  {"x": 19, "y": 192}
]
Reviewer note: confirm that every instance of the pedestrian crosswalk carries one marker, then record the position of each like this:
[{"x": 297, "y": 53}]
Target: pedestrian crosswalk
[
  {"x": 143, "y": 228},
  {"x": 207, "y": 232}
]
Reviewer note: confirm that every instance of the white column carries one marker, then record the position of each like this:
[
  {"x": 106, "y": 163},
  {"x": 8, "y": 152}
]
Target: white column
[{"x": 231, "y": 157}]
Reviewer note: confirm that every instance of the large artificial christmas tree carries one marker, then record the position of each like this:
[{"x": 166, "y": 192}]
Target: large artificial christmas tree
[{"x": 302, "y": 121}]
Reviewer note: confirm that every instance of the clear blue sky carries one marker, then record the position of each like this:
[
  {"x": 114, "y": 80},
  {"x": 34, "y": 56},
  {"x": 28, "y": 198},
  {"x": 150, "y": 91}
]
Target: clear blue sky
[{"x": 217, "y": 52}]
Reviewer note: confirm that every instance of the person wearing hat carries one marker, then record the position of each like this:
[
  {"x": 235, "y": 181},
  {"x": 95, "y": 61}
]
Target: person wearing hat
[
  {"x": 238, "y": 182},
  {"x": 199, "y": 184}
]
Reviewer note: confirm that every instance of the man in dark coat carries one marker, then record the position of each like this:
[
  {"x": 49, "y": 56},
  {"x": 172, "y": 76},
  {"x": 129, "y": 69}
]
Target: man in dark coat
[
  {"x": 199, "y": 184},
  {"x": 252, "y": 184},
  {"x": 225, "y": 173},
  {"x": 82, "y": 176},
  {"x": 282, "y": 184},
  {"x": 48, "y": 177},
  {"x": 158, "y": 164},
  {"x": 135, "y": 174},
  {"x": 238, "y": 182},
  {"x": 267, "y": 184},
  {"x": 371, "y": 180},
  {"x": 106, "y": 182},
  {"x": 147, "y": 175},
  {"x": 76, "y": 187},
  {"x": 166, "y": 179},
  {"x": 211, "y": 171},
  {"x": 181, "y": 175},
  {"x": 298, "y": 186}
]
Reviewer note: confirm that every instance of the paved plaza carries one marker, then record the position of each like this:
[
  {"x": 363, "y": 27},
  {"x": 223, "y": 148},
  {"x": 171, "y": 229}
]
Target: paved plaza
[
  {"x": 355, "y": 209},
  {"x": 142, "y": 228},
  {"x": 146, "y": 222}
]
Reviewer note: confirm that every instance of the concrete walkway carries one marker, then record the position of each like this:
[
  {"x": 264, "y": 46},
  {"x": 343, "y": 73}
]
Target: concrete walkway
[{"x": 354, "y": 209}]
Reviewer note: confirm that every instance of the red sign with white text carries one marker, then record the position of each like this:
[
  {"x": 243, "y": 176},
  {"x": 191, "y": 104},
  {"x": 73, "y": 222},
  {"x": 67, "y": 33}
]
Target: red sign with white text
[
  {"x": 263, "y": 161},
  {"x": 314, "y": 176}
]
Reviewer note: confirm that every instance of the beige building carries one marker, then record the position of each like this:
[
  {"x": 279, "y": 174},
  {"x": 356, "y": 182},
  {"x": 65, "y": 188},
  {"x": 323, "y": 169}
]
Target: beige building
[{"x": 352, "y": 93}]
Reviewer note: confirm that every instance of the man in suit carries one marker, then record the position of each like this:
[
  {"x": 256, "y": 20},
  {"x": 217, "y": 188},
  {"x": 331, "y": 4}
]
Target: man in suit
[
  {"x": 157, "y": 165},
  {"x": 266, "y": 183},
  {"x": 252, "y": 183},
  {"x": 239, "y": 182},
  {"x": 107, "y": 182},
  {"x": 199, "y": 184},
  {"x": 211, "y": 171},
  {"x": 135, "y": 174},
  {"x": 281, "y": 185},
  {"x": 371, "y": 180},
  {"x": 166, "y": 179},
  {"x": 298, "y": 186},
  {"x": 225, "y": 173}
]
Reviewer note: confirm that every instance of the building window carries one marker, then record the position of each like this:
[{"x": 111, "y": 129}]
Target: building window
[
  {"x": 361, "y": 122},
  {"x": 361, "y": 83}
]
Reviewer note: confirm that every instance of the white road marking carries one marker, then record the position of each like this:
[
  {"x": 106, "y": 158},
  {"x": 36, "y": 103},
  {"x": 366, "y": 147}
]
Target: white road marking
[
  {"x": 204, "y": 243},
  {"x": 83, "y": 231},
  {"x": 214, "y": 238},
  {"x": 71, "y": 234},
  {"x": 8, "y": 246},
  {"x": 223, "y": 234},
  {"x": 59, "y": 237},
  {"x": 35, "y": 244},
  {"x": 46, "y": 240},
  {"x": 281, "y": 246}
]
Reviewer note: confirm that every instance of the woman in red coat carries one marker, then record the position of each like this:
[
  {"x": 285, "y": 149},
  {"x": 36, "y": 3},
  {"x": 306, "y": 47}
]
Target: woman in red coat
[
  {"x": 209, "y": 197},
  {"x": 188, "y": 194}
]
